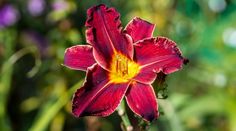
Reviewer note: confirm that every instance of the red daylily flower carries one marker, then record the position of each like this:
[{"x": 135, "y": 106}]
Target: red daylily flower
[{"x": 120, "y": 63}]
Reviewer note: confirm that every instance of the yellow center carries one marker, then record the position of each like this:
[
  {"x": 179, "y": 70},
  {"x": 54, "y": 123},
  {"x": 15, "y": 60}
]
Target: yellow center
[{"x": 122, "y": 69}]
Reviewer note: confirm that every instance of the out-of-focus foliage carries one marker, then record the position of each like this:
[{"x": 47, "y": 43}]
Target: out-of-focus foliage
[{"x": 35, "y": 89}]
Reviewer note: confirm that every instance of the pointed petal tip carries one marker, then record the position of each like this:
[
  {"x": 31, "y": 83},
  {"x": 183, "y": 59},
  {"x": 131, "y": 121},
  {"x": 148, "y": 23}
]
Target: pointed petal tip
[
  {"x": 141, "y": 99},
  {"x": 79, "y": 57},
  {"x": 159, "y": 54},
  {"x": 151, "y": 118},
  {"x": 186, "y": 61},
  {"x": 139, "y": 29},
  {"x": 101, "y": 7},
  {"x": 183, "y": 61},
  {"x": 138, "y": 19}
]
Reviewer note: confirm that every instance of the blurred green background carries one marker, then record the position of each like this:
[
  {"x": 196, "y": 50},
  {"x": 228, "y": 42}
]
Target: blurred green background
[{"x": 36, "y": 90}]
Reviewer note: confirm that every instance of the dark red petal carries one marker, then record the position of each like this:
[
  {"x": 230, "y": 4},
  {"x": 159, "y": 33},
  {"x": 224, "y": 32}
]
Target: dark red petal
[
  {"x": 104, "y": 34},
  {"x": 158, "y": 54},
  {"x": 97, "y": 96},
  {"x": 107, "y": 100},
  {"x": 139, "y": 29},
  {"x": 79, "y": 57},
  {"x": 145, "y": 76},
  {"x": 142, "y": 101}
]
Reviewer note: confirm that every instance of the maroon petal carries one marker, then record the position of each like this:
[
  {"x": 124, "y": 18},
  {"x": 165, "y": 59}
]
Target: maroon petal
[
  {"x": 107, "y": 100},
  {"x": 139, "y": 29},
  {"x": 104, "y": 34},
  {"x": 79, "y": 57},
  {"x": 158, "y": 54},
  {"x": 145, "y": 76},
  {"x": 142, "y": 101},
  {"x": 97, "y": 97}
]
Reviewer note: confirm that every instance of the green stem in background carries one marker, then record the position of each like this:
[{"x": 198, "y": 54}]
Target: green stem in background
[
  {"x": 5, "y": 84},
  {"x": 5, "y": 81},
  {"x": 126, "y": 125},
  {"x": 16, "y": 56},
  {"x": 7, "y": 38},
  {"x": 170, "y": 114},
  {"x": 45, "y": 117}
]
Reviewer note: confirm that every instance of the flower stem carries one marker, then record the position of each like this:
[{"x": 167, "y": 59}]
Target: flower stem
[{"x": 126, "y": 125}]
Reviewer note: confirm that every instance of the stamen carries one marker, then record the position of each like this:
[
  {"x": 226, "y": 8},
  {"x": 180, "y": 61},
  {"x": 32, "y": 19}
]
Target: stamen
[
  {"x": 117, "y": 65},
  {"x": 121, "y": 65},
  {"x": 122, "y": 68},
  {"x": 126, "y": 65}
]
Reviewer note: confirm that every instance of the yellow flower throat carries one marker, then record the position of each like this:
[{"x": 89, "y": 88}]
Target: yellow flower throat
[{"x": 122, "y": 69}]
